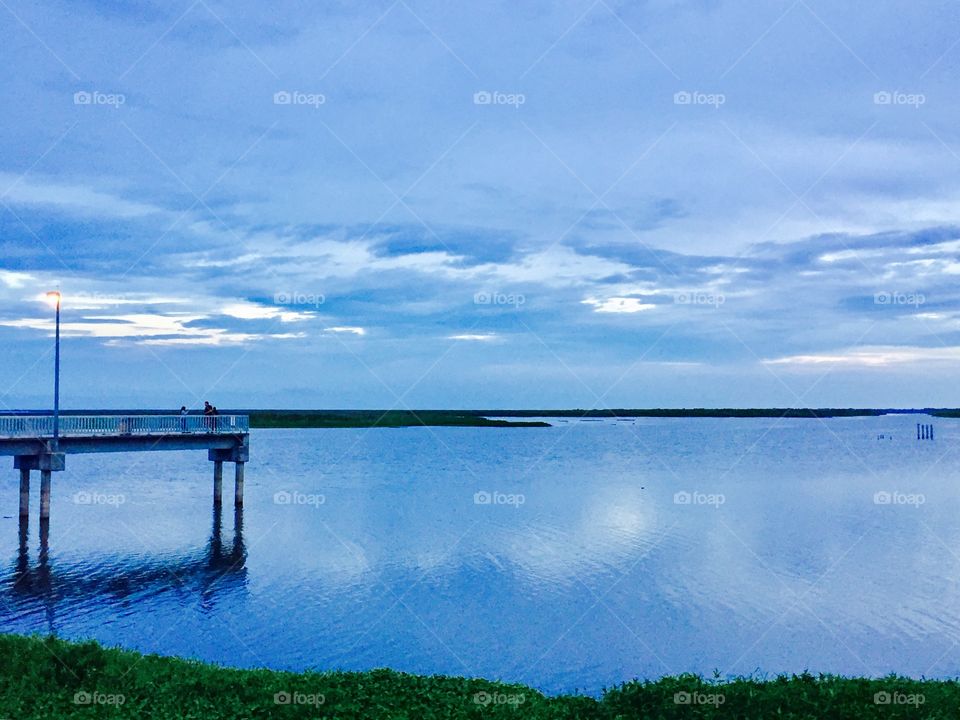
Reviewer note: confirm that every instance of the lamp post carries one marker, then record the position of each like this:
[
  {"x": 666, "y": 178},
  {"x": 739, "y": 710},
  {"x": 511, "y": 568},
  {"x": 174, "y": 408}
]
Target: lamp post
[{"x": 55, "y": 297}]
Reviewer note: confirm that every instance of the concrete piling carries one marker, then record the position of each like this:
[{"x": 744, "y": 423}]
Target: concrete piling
[
  {"x": 24, "y": 492},
  {"x": 217, "y": 482},
  {"x": 238, "y": 485},
  {"x": 45, "y": 476}
]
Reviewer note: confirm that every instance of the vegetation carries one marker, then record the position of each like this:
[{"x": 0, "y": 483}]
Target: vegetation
[
  {"x": 51, "y": 678},
  {"x": 377, "y": 418},
  {"x": 707, "y": 412},
  {"x": 945, "y": 413}
]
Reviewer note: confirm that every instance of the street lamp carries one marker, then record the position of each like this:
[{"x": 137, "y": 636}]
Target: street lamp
[{"x": 55, "y": 298}]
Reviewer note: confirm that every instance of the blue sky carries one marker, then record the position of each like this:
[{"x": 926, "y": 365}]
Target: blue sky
[{"x": 426, "y": 204}]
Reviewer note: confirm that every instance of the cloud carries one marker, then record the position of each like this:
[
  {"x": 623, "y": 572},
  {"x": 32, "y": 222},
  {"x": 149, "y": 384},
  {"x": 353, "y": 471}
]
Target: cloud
[
  {"x": 99, "y": 301},
  {"x": 151, "y": 328},
  {"x": 75, "y": 199},
  {"x": 873, "y": 357},
  {"x": 399, "y": 199},
  {"x": 474, "y": 337},
  {"x": 253, "y": 311},
  {"x": 15, "y": 279},
  {"x": 216, "y": 338},
  {"x": 619, "y": 305}
]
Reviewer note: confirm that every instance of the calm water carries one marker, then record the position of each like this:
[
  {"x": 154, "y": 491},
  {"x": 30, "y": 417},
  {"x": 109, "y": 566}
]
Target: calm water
[{"x": 584, "y": 569}]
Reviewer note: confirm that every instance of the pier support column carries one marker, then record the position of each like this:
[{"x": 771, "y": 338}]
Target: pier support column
[
  {"x": 45, "y": 494},
  {"x": 238, "y": 455},
  {"x": 24, "y": 492},
  {"x": 217, "y": 482},
  {"x": 238, "y": 485}
]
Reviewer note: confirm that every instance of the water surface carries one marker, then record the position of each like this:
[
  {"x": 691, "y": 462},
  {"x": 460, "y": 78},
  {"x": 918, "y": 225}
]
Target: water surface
[{"x": 569, "y": 558}]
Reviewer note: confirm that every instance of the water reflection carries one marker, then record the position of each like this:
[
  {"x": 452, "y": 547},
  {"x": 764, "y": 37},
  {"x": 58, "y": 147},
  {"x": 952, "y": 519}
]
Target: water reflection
[
  {"x": 224, "y": 567},
  {"x": 219, "y": 569}
]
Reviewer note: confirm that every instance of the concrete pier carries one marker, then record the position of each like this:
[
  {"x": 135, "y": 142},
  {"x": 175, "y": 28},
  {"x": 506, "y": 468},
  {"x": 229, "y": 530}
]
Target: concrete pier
[{"x": 34, "y": 445}]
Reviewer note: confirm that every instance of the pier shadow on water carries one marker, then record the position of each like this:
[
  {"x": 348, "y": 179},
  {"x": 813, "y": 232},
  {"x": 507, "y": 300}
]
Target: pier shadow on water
[{"x": 38, "y": 582}]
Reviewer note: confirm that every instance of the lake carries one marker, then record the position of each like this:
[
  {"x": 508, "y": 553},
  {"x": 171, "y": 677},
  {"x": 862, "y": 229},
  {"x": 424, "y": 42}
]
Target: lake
[{"x": 568, "y": 558}]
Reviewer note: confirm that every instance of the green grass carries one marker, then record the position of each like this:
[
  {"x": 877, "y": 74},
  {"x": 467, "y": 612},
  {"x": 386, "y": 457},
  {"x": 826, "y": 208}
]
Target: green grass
[{"x": 45, "y": 677}]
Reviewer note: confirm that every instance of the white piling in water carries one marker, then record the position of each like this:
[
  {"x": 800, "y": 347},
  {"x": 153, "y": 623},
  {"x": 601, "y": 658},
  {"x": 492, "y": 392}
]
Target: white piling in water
[
  {"x": 45, "y": 476},
  {"x": 238, "y": 485}
]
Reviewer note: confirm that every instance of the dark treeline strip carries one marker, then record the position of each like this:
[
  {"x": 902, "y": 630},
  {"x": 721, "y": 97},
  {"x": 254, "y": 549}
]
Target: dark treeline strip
[{"x": 377, "y": 418}]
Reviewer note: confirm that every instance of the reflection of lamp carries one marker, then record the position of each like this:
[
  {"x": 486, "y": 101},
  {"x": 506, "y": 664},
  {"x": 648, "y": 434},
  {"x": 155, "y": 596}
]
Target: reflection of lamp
[{"x": 55, "y": 298}]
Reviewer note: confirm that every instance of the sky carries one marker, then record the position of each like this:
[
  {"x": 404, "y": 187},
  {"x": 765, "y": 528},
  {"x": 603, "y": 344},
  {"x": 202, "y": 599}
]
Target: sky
[{"x": 424, "y": 204}]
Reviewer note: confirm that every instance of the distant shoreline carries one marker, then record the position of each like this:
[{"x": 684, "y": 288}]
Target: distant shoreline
[
  {"x": 280, "y": 418},
  {"x": 379, "y": 418},
  {"x": 515, "y": 418}
]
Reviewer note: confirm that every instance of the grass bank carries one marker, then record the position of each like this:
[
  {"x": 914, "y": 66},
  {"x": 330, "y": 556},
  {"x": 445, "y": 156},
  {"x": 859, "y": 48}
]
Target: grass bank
[{"x": 50, "y": 678}]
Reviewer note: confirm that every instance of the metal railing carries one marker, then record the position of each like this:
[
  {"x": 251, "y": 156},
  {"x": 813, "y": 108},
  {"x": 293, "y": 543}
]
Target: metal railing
[{"x": 18, "y": 426}]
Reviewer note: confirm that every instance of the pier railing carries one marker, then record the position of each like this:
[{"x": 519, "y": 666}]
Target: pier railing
[{"x": 18, "y": 426}]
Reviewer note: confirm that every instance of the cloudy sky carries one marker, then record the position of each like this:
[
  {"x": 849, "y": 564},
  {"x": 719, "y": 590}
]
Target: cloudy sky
[{"x": 414, "y": 203}]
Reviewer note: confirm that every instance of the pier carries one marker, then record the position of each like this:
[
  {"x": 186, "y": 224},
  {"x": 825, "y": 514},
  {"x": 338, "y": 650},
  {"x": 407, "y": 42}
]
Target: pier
[{"x": 42, "y": 442}]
